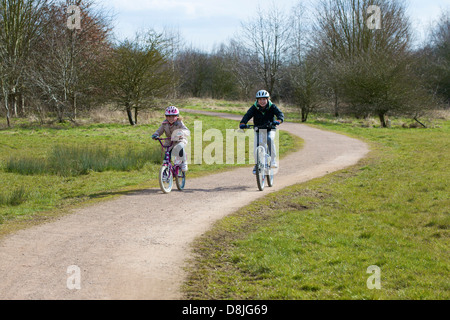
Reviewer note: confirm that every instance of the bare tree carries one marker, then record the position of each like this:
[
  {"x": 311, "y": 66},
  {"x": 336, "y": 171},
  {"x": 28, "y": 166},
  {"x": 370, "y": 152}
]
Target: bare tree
[
  {"x": 303, "y": 82},
  {"x": 435, "y": 58},
  {"x": 267, "y": 38},
  {"x": 243, "y": 66},
  {"x": 370, "y": 67},
  {"x": 192, "y": 65},
  {"x": 66, "y": 61},
  {"x": 20, "y": 21}
]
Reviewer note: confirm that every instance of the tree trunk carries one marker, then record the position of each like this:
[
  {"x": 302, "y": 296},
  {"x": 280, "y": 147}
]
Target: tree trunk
[
  {"x": 60, "y": 112},
  {"x": 336, "y": 105},
  {"x": 74, "y": 106},
  {"x": 8, "y": 115},
  {"x": 130, "y": 115},
  {"x": 14, "y": 104},
  {"x": 304, "y": 114},
  {"x": 20, "y": 106},
  {"x": 382, "y": 119}
]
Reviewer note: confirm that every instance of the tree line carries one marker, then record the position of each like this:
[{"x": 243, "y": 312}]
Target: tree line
[{"x": 344, "y": 56}]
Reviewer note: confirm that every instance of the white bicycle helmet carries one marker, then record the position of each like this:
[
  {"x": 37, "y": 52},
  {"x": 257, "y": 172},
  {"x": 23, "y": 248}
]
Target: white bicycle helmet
[
  {"x": 172, "y": 111},
  {"x": 262, "y": 94}
]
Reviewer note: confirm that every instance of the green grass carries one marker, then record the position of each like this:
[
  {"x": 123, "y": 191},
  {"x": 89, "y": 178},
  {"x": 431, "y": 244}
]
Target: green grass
[
  {"x": 14, "y": 198},
  {"x": 46, "y": 170},
  {"x": 80, "y": 160},
  {"x": 317, "y": 239}
]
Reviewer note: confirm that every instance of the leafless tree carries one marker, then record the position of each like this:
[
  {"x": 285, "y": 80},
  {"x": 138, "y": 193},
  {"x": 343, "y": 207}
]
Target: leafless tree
[
  {"x": 435, "y": 58},
  {"x": 267, "y": 38},
  {"x": 20, "y": 22},
  {"x": 66, "y": 61},
  {"x": 303, "y": 83},
  {"x": 193, "y": 68},
  {"x": 243, "y": 66},
  {"x": 369, "y": 67}
]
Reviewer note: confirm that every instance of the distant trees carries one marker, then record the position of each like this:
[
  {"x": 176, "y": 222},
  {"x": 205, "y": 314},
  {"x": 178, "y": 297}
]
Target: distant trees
[
  {"x": 20, "y": 22},
  {"x": 435, "y": 59},
  {"x": 43, "y": 62},
  {"x": 302, "y": 85},
  {"x": 370, "y": 68},
  {"x": 65, "y": 62},
  {"x": 341, "y": 56},
  {"x": 267, "y": 37},
  {"x": 353, "y": 56}
]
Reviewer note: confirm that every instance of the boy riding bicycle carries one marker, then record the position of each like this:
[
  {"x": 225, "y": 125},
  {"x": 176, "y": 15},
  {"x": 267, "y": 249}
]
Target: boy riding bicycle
[
  {"x": 263, "y": 112},
  {"x": 175, "y": 129}
]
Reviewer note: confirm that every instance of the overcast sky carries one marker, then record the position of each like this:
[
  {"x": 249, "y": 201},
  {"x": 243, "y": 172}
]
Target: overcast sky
[{"x": 205, "y": 23}]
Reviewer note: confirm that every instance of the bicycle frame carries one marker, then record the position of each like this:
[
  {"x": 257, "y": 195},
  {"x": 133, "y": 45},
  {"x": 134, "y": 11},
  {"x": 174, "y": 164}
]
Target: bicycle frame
[
  {"x": 167, "y": 157},
  {"x": 268, "y": 126},
  {"x": 169, "y": 170}
]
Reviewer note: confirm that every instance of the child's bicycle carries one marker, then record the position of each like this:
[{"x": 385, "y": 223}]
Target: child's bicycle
[
  {"x": 170, "y": 171},
  {"x": 264, "y": 171}
]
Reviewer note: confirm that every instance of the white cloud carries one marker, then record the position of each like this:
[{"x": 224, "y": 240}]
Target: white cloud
[{"x": 208, "y": 22}]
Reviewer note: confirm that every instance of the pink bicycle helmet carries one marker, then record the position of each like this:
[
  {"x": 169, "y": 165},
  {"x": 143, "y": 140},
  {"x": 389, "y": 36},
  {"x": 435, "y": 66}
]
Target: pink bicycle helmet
[{"x": 172, "y": 111}]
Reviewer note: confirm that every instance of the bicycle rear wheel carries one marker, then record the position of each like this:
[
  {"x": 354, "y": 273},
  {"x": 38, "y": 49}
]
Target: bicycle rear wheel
[
  {"x": 260, "y": 168},
  {"x": 165, "y": 179},
  {"x": 180, "y": 180}
]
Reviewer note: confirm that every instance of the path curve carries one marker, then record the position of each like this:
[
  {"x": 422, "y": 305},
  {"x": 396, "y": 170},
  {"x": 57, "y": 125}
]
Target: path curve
[{"x": 135, "y": 246}]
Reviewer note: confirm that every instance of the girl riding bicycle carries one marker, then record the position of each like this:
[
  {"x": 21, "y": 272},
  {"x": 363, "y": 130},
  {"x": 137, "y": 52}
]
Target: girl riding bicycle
[
  {"x": 175, "y": 129},
  {"x": 263, "y": 112}
]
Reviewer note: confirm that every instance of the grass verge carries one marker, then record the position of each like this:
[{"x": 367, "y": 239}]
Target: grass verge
[{"x": 317, "y": 240}]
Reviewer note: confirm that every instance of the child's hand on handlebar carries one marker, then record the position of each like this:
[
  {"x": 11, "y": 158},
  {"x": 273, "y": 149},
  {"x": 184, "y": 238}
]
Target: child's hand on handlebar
[{"x": 155, "y": 136}]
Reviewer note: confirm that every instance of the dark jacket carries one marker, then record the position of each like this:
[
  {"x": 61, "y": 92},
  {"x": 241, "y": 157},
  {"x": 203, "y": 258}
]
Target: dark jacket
[{"x": 262, "y": 116}]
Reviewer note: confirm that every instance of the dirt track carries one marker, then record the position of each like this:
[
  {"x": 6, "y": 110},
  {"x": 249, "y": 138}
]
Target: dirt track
[{"x": 134, "y": 247}]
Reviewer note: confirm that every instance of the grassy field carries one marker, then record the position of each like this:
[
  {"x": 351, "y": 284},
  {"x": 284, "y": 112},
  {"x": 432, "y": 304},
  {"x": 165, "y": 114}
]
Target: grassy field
[
  {"x": 46, "y": 170},
  {"x": 317, "y": 240}
]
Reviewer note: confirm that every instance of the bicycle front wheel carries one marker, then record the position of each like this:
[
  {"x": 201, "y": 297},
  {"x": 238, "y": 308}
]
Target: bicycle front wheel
[
  {"x": 180, "y": 180},
  {"x": 269, "y": 171},
  {"x": 260, "y": 168},
  {"x": 165, "y": 179},
  {"x": 269, "y": 178}
]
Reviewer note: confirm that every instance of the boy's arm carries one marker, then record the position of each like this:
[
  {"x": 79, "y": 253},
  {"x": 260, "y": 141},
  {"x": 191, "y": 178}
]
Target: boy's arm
[
  {"x": 279, "y": 114},
  {"x": 248, "y": 115}
]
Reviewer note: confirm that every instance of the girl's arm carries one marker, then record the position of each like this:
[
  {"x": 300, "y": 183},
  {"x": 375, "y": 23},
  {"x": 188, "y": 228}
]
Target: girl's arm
[{"x": 160, "y": 131}]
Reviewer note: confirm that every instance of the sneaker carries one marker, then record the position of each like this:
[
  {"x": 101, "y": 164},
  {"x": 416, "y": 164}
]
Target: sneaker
[
  {"x": 254, "y": 170},
  {"x": 184, "y": 167},
  {"x": 274, "y": 164}
]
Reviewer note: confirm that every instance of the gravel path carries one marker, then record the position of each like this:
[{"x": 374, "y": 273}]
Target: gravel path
[{"x": 135, "y": 246}]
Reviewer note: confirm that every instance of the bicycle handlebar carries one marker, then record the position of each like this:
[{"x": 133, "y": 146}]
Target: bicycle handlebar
[
  {"x": 164, "y": 139},
  {"x": 268, "y": 125}
]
